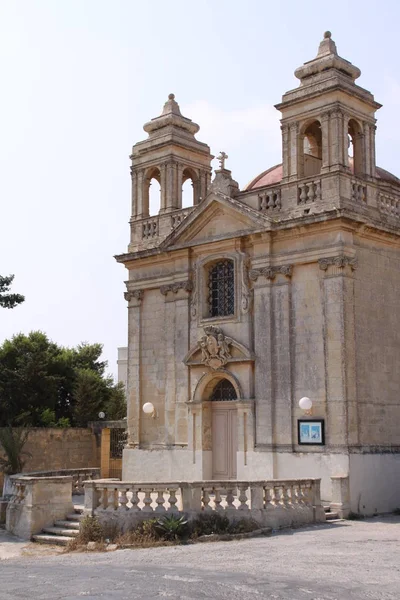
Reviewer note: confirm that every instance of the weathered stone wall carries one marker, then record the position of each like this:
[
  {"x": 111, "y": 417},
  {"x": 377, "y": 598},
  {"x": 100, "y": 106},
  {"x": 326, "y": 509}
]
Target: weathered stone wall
[
  {"x": 377, "y": 319},
  {"x": 54, "y": 449}
]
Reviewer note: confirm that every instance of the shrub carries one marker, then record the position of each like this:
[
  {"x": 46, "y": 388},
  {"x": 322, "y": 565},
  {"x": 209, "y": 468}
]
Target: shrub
[
  {"x": 209, "y": 523},
  {"x": 244, "y": 525},
  {"x": 90, "y": 530},
  {"x": 172, "y": 527}
]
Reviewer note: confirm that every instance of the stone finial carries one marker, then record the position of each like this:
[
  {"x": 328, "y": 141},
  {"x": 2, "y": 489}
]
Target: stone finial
[
  {"x": 170, "y": 116},
  {"x": 327, "y": 46},
  {"x": 171, "y": 106},
  {"x": 327, "y": 58}
]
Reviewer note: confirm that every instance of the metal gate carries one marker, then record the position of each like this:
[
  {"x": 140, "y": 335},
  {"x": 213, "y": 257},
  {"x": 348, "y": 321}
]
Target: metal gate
[{"x": 113, "y": 441}]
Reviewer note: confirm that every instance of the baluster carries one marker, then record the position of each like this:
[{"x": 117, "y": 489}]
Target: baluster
[
  {"x": 268, "y": 497},
  {"x": 135, "y": 500},
  {"x": 317, "y": 190},
  {"x": 270, "y": 204},
  {"x": 286, "y": 497},
  {"x": 160, "y": 501},
  {"x": 229, "y": 499},
  {"x": 295, "y": 493},
  {"x": 303, "y": 193},
  {"x": 206, "y": 500},
  {"x": 311, "y": 192},
  {"x": 123, "y": 499},
  {"x": 217, "y": 500},
  {"x": 243, "y": 497},
  {"x": 172, "y": 500},
  {"x": 112, "y": 499},
  {"x": 278, "y": 200},
  {"x": 147, "y": 500}
]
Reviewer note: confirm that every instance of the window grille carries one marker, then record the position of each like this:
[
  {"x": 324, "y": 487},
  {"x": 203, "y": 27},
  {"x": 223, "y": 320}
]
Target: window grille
[
  {"x": 223, "y": 391},
  {"x": 221, "y": 289}
]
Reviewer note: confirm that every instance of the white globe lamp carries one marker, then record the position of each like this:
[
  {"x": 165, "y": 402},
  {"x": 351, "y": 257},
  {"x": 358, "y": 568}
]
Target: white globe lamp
[
  {"x": 305, "y": 403},
  {"x": 148, "y": 409}
]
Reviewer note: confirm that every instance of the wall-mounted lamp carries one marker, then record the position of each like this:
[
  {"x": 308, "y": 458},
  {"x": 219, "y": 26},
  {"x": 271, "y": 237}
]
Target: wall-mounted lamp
[
  {"x": 148, "y": 409},
  {"x": 306, "y": 405}
]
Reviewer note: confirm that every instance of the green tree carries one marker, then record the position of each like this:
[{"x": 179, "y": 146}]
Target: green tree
[
  {"x": 8, "y": 300},
  {"x": 43, "y": 384}
]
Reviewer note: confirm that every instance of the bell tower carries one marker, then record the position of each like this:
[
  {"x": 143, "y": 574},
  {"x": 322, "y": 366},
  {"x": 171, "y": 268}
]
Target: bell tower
[
  {"x": 170, "y": 155},
  {"x": 328, "y": 122}
]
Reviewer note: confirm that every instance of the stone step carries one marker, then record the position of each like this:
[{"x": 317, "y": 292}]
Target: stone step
[
  {"x": 61, "y": 531},
  {"x": 75, "y": 517},
  {"x": 330, "y": 516},
  {"x": 73, "y": 525},
  {"x": 79, "y": 508},
  {"x": 59, "y": 540}
]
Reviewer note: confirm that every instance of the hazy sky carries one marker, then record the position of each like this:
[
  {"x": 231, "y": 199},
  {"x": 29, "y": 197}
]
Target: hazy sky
[{"x": 79, "y": 78}]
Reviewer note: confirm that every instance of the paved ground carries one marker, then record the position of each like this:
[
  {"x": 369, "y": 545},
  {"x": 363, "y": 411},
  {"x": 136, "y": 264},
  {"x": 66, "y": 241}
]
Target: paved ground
[{"x": 346, "y": 561}]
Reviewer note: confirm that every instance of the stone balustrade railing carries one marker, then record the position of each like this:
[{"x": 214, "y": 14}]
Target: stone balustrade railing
[
  {"x": 309, "y": 191},
  {"x": 78, "y": 477},
  {"x": 389, "y": 205},
  {"x": 274, "y": 503}
]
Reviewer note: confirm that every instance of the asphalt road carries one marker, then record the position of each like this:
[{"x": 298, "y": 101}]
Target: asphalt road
[{"x": 345, "y": 561}]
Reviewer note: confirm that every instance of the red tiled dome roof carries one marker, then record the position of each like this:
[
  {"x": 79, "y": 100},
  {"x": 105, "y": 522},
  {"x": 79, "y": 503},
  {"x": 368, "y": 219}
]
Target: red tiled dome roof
[{"x": 274, "y": 175}]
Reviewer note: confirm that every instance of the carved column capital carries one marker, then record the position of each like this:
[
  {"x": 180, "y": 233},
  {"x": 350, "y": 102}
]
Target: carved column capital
[
  {"x": 134, "y": 296},
  {"x": 271, "y": 272},
  {"x": 187, "y": 286},
  {"x": 339, "y": 262}
]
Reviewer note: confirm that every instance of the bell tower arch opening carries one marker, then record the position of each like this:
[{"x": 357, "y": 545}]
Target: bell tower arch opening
[
  {"x": 152, "y": 192},
  {"x": 190, "y": 188},
  {"x": 310, "y": 151},
  {"x": 355, "y": 137}
]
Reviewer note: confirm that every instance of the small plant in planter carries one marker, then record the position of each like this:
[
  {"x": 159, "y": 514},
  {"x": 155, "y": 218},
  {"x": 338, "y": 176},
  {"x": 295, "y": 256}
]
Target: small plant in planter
[
  {"x": 172, "y": 527},
  {"x": 12, "y": 442}
]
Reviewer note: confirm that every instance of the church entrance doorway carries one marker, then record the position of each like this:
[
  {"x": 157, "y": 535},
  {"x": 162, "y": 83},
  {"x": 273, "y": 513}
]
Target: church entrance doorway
[{"x": 224, "y": 431}]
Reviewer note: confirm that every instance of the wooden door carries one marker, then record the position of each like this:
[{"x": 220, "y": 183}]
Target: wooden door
[{"x": 224, "y": 440}]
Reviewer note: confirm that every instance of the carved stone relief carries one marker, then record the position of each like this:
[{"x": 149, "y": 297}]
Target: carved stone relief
[{"x": 214, "y": 346}]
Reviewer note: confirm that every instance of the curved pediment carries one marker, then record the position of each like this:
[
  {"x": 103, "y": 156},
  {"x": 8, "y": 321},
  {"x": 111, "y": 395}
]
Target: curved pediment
[{"x": 215, "y": 350}]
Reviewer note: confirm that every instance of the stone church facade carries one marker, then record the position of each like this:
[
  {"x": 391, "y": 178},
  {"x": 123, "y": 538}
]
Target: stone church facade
[{"x": 245, "y": 302}]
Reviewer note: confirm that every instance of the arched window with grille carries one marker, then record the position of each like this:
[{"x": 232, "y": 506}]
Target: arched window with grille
[
  {"x": 221, "y": 289},
  {"x": 223, "y": 391}
]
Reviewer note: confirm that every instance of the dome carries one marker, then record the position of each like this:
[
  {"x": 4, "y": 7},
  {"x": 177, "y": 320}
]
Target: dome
[{"x": 273, "y": 176}]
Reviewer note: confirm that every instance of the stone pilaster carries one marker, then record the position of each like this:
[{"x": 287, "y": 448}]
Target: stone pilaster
[
  {"x": 285, "y": 152},
  {"x": 294, "y": 151},
  {"x": 134, "y": 298},
  {"x": 163, "y": 186},
  {"x": 281, "y": 361},
  {"x": 326, "y": 137},
  {"x": 339, "y": 344},
  {"x": 134, "y": 192},
  {"x": 337, "y": 142},
  {"x": 177, "y": 305},
  {"x": 263, "y": 365},
  {"x": 141, "y": 211}
]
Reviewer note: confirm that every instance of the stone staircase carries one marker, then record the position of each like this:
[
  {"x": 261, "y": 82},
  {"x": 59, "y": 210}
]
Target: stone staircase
[
  {"x": 331, "y": 517},
  {"x": 62, "y": 532}
]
